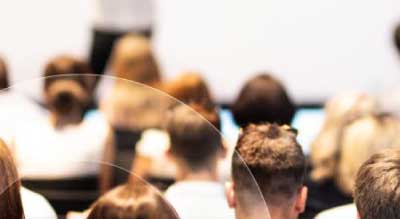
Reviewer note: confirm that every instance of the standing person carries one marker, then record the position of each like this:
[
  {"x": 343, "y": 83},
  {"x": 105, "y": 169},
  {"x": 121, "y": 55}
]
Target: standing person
[
  {"x": 277, "y": 164},
  {"x": 114, "y": 19},
  {"x": 196, "y": 147}
]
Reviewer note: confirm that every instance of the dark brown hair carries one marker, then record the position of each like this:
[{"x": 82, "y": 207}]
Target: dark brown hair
[
  {"x": 193, "y": 134},
  {"x": 4, "y": 82},
  {"x": 396, "y": 37},
  {"x": 263, "y": 99},
  {"x": 132, "y": 202},
  {"x": 377, "y": 190},
  {"x": 10, "y": 198},
  {"x": 275, "y": 159},
  {"x": 67, "y": 84}
]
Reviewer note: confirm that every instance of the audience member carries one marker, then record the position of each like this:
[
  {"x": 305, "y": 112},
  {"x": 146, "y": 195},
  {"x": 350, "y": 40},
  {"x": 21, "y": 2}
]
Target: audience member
[
  {"x": 132, "y": 201},
  {"x": 17, "y": 202},
  {"x": 196, "y": 147},
  {"x": 263, "y": 99},
  {"x": 377, "y": 186},
  {"x": 74, "y": 145},
  {"x": 339, "y": 111},
  {"x": 133, "y": 104},
  {"x": 363, "y": 138},
  {"x": 150, "y": 160},
  {"x": 277, "y": 164}
]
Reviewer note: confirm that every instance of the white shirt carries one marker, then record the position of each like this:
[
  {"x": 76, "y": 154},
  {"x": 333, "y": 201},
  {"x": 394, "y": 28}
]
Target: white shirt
[
  {"x": 124, "y": 15},
  {"x": 43, "y": 152},
  {"x": 36, "y": 206},
  {"x": 345, "y": 211},
  {"x": 199, "y": 200}
]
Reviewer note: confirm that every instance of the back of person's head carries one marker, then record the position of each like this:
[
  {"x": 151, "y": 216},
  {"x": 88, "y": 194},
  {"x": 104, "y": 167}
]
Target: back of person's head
[
  {"x": 361, "y": 139},
  {"x": 67, "y": 89},
  {"x": 4, "y": 82},
  {"x": 276, "y": 161},
  {"x": 136, "y": 201},
  {"x": 377, "y": 191},
  {"x": 190, "y": 87},
  {"x": 194, "y": 136},
  {"x": 133, "y": 59},
  {"x": 339, "y": 111},
  {"x": 263, "y": 99},
  {"x": 10, "y": 198}
]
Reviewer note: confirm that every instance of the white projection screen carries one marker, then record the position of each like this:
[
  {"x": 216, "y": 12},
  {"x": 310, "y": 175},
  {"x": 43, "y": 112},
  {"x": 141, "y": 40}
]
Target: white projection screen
[{"x": 316, "y": 47}]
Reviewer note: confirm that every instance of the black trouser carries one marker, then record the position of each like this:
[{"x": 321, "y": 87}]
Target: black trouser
[{"x": 102, "y": 45}]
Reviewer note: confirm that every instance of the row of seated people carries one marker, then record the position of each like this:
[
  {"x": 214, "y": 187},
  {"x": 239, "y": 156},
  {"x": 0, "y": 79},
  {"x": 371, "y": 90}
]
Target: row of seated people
[
  {"x": 72, "y": 142},
  {"x": 268, "y": 174}
]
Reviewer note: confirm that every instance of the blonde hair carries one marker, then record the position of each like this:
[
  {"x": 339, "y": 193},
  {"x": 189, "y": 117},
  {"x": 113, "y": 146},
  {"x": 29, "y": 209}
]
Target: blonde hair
[
  {"x": 133, "y": 59},
  {"x": 360, "y": 140},
  {"x": 339, "y": 111}
]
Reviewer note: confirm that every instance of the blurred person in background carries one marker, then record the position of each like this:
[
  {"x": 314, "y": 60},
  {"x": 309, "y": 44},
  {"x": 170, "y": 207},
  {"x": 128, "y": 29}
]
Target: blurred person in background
[
  {"x": 268, "y": 155},
  {"x": 339, "y": 111},
  {"x": 66, "y": 144},
  {"x": 132, "y": 101},
  {"x": 195, "y": 149},
  {"x": 17, "y": 202},
  {"x": 114, "y": 19},
  {"x": 14, "y": 106},
  {"x": 360, "y": 140},
  {"x": 134, "y": 200},
  {"x": 263, "y": 99}
]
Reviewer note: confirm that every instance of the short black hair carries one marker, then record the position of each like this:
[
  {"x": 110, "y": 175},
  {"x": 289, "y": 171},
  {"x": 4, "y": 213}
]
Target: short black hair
[
  {"x": 275, "y": 159},
  {"x": 263, "y": 99},
  {"x": 377, "y": 189}
]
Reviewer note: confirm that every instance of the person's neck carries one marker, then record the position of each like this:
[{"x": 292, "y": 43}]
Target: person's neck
[
  {"x": 205, "y": 174},
  {"x": 60, "y": 121}
]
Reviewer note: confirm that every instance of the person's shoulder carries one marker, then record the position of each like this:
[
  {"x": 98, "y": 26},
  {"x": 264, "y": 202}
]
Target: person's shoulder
[
  {"x": 345, "y": 211},
  {"x": 36, "y": 206}
]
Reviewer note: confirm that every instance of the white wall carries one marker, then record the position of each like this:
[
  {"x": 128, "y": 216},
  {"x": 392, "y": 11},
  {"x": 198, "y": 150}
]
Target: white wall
[{"x": 317, "y": 47}]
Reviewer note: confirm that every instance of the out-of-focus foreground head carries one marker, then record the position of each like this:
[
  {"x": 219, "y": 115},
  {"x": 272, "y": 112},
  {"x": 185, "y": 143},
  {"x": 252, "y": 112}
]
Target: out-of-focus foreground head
[
  {"x": 339, "y": 111},
  {"x": 67, "y": 87},
  {"x": 133, "y": 59},
  {"x": 10, "y": 198},
  {"x": 4, "y": 82},
  {"x": 361, "y": 139},
  {"x": 128, "y": 201},
  {"x": 190, "y": 87},
  {"x": 377, "y": 191},
  {"x": 273, "y": 156},
  {"x": 263, "y": 99}
]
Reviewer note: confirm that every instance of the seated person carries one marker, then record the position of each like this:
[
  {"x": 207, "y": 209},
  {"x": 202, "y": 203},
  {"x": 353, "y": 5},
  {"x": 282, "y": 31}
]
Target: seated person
[
  {"x": 150, "y": 160},
  {"x": 13, "y": 105},
  {"x": 263, "y": 99},
  {"x": 195, "y": 148},
  {"x": 132, "y": 101},
  {"x": 324, "y": 192},
  {"x": 269, "y": 156},
  {"x": 377, "y": 191},
  {"x": 360, "y": 139},
  {"x": 66, "y": 144},
  {"x": 17, "y": 202},
  {"x": 132, "y": 201}
]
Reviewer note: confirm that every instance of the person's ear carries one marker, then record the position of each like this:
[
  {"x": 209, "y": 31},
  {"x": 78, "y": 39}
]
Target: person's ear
[
  {"x": 300, "y": 203},
  {"x": 230, "y": 194}
]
